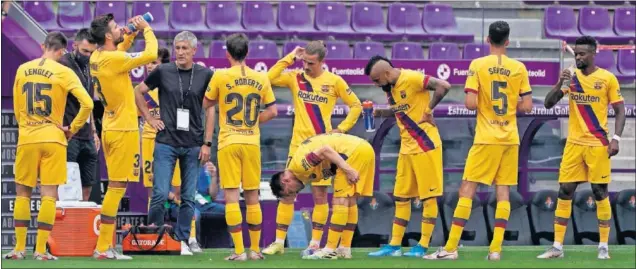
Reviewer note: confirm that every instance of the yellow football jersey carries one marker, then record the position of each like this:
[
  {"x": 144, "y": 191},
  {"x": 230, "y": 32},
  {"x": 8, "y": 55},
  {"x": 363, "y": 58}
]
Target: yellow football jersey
[
  {"x": 408, "y": 99},
  {"x": 589, "y": 99},
  {"x": 314, "y": 99},
  {"x": 307, "y": 167},
  {"x": 240, "y": 91},
  {"x": 152, "y": 101},
  {"x": 111, "y": 79},
  {"x": 498, "y": 82},
  {"x": 39, "y": 99}
]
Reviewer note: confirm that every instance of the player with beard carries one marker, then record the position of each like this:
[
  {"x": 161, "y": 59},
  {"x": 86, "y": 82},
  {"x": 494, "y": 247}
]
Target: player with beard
[{"x": 110, "y": 66}]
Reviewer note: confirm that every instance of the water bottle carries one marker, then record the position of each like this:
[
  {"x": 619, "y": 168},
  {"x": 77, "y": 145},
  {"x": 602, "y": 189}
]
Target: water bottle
[
  {"x": 566, "y": 83},
  {"x": 367, "y": 115},
  {"x": 147, "y": 17}
]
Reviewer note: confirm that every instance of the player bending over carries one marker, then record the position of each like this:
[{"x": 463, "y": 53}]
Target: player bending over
[
  {"x": 419, "y": 169},
  {"x": 492, "y": 88},
  {"x": 241, "y": 92},
  {"x": 315, "y": 92},
  {"x": 110, "y": 67},
  {"x": 351, "y": 161},
  {"x": 39, "y": 99},
  {"x": 587, "y": 153}
]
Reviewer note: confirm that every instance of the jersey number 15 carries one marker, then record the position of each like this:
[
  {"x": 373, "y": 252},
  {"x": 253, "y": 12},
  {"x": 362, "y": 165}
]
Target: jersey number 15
[{"x": 34, "y": 96}]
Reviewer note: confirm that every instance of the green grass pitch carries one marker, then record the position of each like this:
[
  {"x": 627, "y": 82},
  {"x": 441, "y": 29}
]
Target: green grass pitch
[{"x": 469, "y": 257}]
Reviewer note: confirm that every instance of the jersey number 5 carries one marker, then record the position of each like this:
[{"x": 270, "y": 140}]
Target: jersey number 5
[
  {"x": 251, "y": 101},
  {"x": 496, "y": 95},
  {"x": 34, "y": 96}
]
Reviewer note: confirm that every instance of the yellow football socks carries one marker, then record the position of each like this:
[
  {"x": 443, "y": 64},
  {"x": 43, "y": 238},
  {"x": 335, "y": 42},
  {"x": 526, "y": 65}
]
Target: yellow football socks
[
  {"x": 501, "y": 221},
  {"x": 604, "y": 214},
  {"x": 284, "y": 216},
  {"x": 338, "y": 222},
  {"x": 319, "y": 219},
  {"x": 234, "y": 220},
  {"x": 21, "y": 218},
  {"x": 561, "y": 218},
  {"x": 254, "y": 217},
  {"x": 110, "y": 205},
  {"x": 460, "y": 217},
  {"x": 429, "y": 217},
  {"x": 401, "y": 220},
  {"x": 350, "y": 228}
]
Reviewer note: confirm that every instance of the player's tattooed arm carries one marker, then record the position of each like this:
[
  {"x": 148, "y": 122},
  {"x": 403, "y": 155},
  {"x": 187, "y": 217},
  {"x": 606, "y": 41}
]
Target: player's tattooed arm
[{"x": 440, "y": 88}]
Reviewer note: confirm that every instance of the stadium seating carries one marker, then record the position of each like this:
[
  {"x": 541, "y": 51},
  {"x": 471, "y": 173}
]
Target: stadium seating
[
  {"x": 160, "y": 23},
  {"x": 476, "y": 50},
  {"x": 288, "y": 47},
  {"x": 367, "y": 18},
  {"x": 43, "y": 13},
  {"x": 560, "y": 22},
  {"x": 187, "y": 15},
  {"x": 440, "y": 19},
  {"x": 200, "y": 53},
  {"x": 140, "y": 44},
  {"x": 414, "y": 229},
  {"x": 575, "y": 3},
  {"x": 625, "y": 216},
  {"x": 74, "y": 15},
  {"x": 294, "y": 17},
  {"x": 627, "y": 62},
  {"x": 444, "y": 51},
  {"x": 366, "y": 50},
  {"x": 541, "y": 209},
  {"x": 332, "y": 17},
  {"x": 595, "y": 21},
  {"x": 475, "y": 231},
  {"x": 585, "y": 220},
  {"x": 263, "y": 49},
  {"x": 116, "y": 8},
  {"x": 258, "y": 18},
  {"x": 407, "y": 51},
  {"x": 338, "y": 50},
  {"x": 518, "y": 228},
  {"x": 217, "y": 49},
  {"x": 222, "y": 18},
  {"x": 605, "y": 59},
  {"x": 538, "y": 2},
  {"x": 375, "y": 219},
  {"x": 406, "y": 19},
  {"x": 609, "y": 2},
  {"x": 625, "y": 21}
]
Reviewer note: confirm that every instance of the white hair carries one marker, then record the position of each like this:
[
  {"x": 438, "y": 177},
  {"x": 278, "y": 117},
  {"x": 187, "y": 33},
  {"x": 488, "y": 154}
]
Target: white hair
[{"x": 186, "y": 36}]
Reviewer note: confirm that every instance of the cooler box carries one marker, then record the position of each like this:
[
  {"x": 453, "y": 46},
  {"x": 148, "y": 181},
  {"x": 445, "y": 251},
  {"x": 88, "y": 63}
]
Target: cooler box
[{"x": 76, "y": 229}]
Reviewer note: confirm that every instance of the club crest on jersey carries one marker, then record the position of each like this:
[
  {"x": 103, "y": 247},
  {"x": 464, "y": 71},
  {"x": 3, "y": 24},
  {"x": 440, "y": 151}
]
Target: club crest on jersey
[
  {"x": 598, "y": 85},
  {"x": 325, "y": 88},
  {"x": 403, "y": 94}
]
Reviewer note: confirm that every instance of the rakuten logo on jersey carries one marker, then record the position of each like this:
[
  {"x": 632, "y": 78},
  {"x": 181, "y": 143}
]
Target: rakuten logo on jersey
[{"x": 540, "y": 73}]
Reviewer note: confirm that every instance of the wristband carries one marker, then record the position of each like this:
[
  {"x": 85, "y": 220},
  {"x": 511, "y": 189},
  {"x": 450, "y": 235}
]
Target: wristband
[{"x": 616, "y": 137}]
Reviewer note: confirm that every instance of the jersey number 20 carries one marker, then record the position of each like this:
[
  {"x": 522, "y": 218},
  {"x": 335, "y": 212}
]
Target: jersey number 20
[
  {"x": 34, "y": 96},
  {"x": 245, "y": 105},
  {"x": 496, "y": 95}
]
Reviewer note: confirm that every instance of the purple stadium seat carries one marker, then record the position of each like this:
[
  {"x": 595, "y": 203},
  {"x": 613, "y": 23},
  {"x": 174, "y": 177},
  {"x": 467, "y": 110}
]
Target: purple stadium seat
[
  {"x": 118, "y": 9},
  {"x": 42, "y": 12},
  {"x": 367, "y": 18},
  {"x": 575, "y": 3},
  {"x": 258, "y": 17},
  {"x": 627, "y": 62},
  {"x": 407, "y": 19},
  {"x": 223, "y": 18},
  {"x": 291, "y": 45},
  {"x": 199, "y": 54},
  {"x": 559, "y": 22},
  {"x": 443, "y": 51},
  {"x": 407, "y": 51},
  {"x": 140, "y": 45},
  {"x": 160, "y": 22},
  {"x": 332, "y": 17},
  {"x": 625, "y": 21},
  {"x": 74, "y": 15},
  {"x": 440, "y": 19},
  {"x": 605, "y": 59},
  {"x": 609, "y": 3},
  {"x": 338, "y": 50},
  {"x": 187, "y": 15},
  {"x": 217, "y": 49},
  {"x": 538, "y": 2},
  {"x": 595, "y": 21},
  {"x": 366, "y": 50},
  {"x": 476, "y": 50},
  {"x": 263, "y": 49},
  {"x": 632, "y": 2},
  {"x": 294, "y": 17}
]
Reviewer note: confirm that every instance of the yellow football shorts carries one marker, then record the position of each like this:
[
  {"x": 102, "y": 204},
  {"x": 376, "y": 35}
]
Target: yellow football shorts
[
  {"x": 420, "y": 175},
  {"x": 488, "y": 164},
  {"x": 585, "y": 164},
  {"x": 121, "y": 151},
  {"x": 363, "y": 161},
  {"x": 240, "y": 166},
  {"x": 46, "y": 161},
  {"x": 147, "y": 154}
]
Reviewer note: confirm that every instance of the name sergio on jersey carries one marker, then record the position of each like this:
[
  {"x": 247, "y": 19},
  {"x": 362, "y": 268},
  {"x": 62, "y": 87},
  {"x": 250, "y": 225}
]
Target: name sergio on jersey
[
  {"x": 312, "y": 97},
  {"x": 581, "y": 98},
  {"x": 499, "y": 70}
]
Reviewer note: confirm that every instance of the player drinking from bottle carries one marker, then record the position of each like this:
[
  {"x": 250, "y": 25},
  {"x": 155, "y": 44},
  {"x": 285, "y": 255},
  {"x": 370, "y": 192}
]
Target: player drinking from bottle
[{"x": 315, "y": 92}]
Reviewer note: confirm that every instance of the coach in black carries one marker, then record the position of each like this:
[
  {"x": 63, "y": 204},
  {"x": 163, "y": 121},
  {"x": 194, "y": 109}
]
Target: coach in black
[
  {"x": 181, "y": 86},
  {"x": 84, "y": 145}
]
